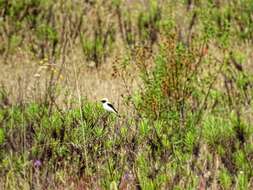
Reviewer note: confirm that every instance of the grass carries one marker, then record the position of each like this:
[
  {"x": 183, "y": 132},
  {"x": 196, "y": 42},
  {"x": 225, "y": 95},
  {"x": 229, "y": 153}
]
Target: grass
[{"x": 178, "y": 72}]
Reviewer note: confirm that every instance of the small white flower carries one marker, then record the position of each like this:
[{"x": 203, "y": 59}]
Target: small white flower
[{"x": 37, "y": 75}]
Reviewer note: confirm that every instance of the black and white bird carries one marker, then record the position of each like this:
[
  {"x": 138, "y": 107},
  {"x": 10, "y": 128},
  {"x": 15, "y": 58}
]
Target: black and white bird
[{"x": 108, "y": 106}]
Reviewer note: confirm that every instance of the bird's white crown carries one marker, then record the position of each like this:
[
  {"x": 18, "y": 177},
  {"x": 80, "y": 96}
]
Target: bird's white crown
[{"x": 104, "y": 100}]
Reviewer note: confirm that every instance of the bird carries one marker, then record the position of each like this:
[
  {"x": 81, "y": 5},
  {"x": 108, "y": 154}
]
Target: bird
[{"x": 108, "y": 106}]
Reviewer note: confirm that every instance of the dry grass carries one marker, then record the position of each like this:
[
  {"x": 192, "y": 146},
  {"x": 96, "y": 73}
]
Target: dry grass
[
  {"x": 24, "y": 77},
  {"x": 141, "y": 147}
]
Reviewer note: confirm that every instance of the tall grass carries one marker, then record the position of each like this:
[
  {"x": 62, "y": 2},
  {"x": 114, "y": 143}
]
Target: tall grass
[{"x": 187, "y": 126}]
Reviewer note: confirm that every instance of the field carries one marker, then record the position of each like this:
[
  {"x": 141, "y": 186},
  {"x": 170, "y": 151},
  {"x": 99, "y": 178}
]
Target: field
[{"x": 180, "y": 73}]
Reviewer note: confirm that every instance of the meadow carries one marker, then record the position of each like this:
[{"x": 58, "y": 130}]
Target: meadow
[{"x": 180, "y": 73}]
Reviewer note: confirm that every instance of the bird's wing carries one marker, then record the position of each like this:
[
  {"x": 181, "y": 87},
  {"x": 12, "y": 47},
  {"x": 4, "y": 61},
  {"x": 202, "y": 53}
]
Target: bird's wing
[{"x": 111, "y": 106}]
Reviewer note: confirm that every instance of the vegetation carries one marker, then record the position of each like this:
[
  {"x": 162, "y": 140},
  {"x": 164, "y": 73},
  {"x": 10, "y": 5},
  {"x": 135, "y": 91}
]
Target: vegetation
[{"x": 185, "y": 98}]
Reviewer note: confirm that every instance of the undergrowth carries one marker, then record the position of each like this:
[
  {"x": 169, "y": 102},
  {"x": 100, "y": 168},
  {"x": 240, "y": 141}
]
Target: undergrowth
[{"x": 188, "y": 126}]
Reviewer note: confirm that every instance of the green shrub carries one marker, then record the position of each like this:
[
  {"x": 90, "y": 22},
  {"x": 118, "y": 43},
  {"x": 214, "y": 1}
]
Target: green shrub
[{"x": 217, "y": 131}]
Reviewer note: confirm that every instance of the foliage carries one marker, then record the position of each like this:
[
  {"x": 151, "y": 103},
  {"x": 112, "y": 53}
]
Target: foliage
[{"x": 190, "y": 124}]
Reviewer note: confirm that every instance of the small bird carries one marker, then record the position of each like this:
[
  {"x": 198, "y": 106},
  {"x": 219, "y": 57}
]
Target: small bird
[{"x": 108, "y": 106}]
